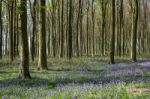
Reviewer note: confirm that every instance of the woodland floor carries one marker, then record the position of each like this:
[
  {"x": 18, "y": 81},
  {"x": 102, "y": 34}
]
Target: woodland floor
[{"x": 82, "y": 78}]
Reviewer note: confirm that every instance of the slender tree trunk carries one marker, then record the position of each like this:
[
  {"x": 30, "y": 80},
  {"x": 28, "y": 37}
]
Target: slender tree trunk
[
  {"x": 42, "y": 38},
  {"x": 70, "y": 30},
  {"x": 103, "y": 7},
  {"x": 12, "y": 31},
  {"x": 81, "y": 26},
  {"x": 34, "y": 30},
  {"x": 53, "y": 27},
  {"x": 1, "y": 29},
  {"x": 121, "y": 26},
  {"x": 112, "y": 50},
  {"x": 87, "y": 28},
  {"x": 62, "y": 29},
  {"x": 15, "y": 29},
  {"x": 93, "y": 29},
  {"x": 78, "y": 35},
  {"x": 134, "y": 33},
  {"x": 24, "y": 69}
]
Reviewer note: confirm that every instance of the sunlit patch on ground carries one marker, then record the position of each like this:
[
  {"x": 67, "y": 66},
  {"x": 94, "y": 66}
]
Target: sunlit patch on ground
[{"x": 138, "y": 90}]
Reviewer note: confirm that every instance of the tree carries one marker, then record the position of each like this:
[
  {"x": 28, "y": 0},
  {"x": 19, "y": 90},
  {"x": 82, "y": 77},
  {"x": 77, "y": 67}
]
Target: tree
[
  {"x": 70, "y": 30},
  {"x": 15, "y": 36},
  {"x": 112, "y": 50},
  {"x": 34, "y": 30},
  {"x": 119, "y": 26},
  {"x": 42, "y": 63},
  {"x": 54, "y": 27},
  {"x": 62, "y": 29},
  {"x": 11, "y": 30},
  {"x": 134, "y": 32},
  {"x": 93, "y": 28},
  {"x": 24, "y": 52},
  {"x": 103, "y": 10},
  {"x": 77, "y": 31},
  {"x": 1, "y": 29},
  {"x": 87, "y": 28}
]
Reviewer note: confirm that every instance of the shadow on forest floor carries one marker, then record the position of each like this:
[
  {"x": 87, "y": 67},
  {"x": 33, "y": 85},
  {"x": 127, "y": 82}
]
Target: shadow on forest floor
[
  {"x": 81, "y": 76},
  {"x": 35, "y": 82},
  {"x": 40, "y": 82}
]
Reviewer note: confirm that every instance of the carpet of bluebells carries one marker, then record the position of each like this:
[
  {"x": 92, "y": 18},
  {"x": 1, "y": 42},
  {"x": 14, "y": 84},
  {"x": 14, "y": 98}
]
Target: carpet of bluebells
[{"x": 79, "y": 78}]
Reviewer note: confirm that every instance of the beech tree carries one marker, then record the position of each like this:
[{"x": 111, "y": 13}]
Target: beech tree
[
  {"x": 1, "y": 29},
  {"x": 134, "y": 32},
  {"x": 11, "y": 30},
  {"x": 42, "y": 63},
  {"x": 70, "y": 30},
  {"x": 24, "y": 51},
  {"x": 112, "y": 50}
]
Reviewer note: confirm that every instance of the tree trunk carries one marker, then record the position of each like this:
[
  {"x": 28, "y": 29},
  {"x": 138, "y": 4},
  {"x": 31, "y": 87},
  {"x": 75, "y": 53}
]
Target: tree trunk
[
  {"x": 34, "y": 31},
  {"x": 112, "y": 50},
  {"x": 42, "y": 63},
  {"x": 1, "y": 29},
  {"x": 70, "y": 30},
  {"x": 103, "y": 9},
  {"x": 12, "y": 31},
  {"x": 134, "y": 33},
  {"x": 87, "y": 28},
  {"x": 24, "y": 69},
  {"x": 62, "y": 29}
]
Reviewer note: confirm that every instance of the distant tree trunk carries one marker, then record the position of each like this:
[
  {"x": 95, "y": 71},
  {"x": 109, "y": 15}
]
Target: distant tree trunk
[
  {"x": 93, "y": 28},
  {"x": 62, "y": 29},
  {"x": 11, "y": 31},
  {"x": 42, "y": 64},
  {"x": 24, "y": 69},
  {"x": 38, "y": 28},
  {"x": 145, "y": 24},
  {"x": 103, "y": 9},
  {"x": 53, "y": 27},
  {"x": 121, "y": 26},
  {"x": 78, "y": 35},
  {"x": 87, "y": 28},
  {"x": 34, "y": 31},
  {"x": 15, "y": 29},
  {"x": 49, "y": 36},
  {"x": 81, "y": 26},
  {"x": 112, "y": 50},
  {"x": 17, "y": 43},
  {"x": 118, "y": 33},
  {"x": 59, "y": 28},
  {"x": 70, "y": 30},
  {"x": 1, "y": 29},
  {"x": 134, "y": 32}
]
